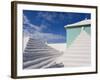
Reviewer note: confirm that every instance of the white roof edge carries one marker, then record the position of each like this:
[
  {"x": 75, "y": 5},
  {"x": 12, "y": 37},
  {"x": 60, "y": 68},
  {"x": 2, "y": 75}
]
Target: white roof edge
[{"x": 83, "y": 22}]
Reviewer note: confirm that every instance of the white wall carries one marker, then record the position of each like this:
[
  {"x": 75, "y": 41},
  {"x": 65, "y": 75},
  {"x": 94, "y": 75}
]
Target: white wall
[
  {"x": 59, "y": 46},
  {"x": 5, "y": 43}
]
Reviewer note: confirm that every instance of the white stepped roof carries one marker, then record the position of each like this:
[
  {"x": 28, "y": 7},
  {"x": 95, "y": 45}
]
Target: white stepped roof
[
  {"x": 37, "y": 54},
  {"x": 79, "y": 53},
  {"x": 83, "y": 22}
]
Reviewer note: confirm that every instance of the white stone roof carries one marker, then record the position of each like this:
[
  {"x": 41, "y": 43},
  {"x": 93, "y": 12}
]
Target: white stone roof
[
  {"x": 79, "y": 53},
  {"x": 83, "y": 22}
]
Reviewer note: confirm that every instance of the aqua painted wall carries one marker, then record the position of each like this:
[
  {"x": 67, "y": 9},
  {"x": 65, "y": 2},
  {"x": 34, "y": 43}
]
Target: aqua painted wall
[
  {"x": 88, "y": 29},
  {"x": 73, "y": 32}
]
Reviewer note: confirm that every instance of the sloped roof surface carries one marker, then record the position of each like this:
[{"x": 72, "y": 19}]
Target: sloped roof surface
[{"x": 83, "y": 22}]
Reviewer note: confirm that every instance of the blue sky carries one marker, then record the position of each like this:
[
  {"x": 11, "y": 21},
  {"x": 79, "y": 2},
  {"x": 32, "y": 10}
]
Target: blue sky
[{"x": 49, "y": 26}]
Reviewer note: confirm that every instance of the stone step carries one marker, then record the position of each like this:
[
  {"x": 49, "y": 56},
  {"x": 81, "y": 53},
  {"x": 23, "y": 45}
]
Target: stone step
[
  {"x": 37, "y": 54},
  {"x": 31, "y": 56},
  {"x": 38, "y": 60},
  {"x": 34, "y": 62},
  {"x": 35, "y": 49},
  {"x": 38, "y": 47},
  {"x": 40, "y": 65},
  {"x": 41, "y": 51}
]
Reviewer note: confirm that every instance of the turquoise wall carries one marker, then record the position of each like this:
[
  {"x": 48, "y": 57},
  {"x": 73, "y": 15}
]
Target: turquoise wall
[
  {"x": 88, "y": 29},
  {"x": 72, "y": 33}
]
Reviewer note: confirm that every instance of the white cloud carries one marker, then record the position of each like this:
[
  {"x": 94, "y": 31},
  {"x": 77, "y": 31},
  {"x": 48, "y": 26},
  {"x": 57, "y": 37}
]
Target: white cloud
[
  {"x": 51, "y": 16},
  {"x": 27, "y": 22},
  {"x": 47, "y": 16},
  {"x": 47, "y": 36},
  {"x": 37, "y": 31}
]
